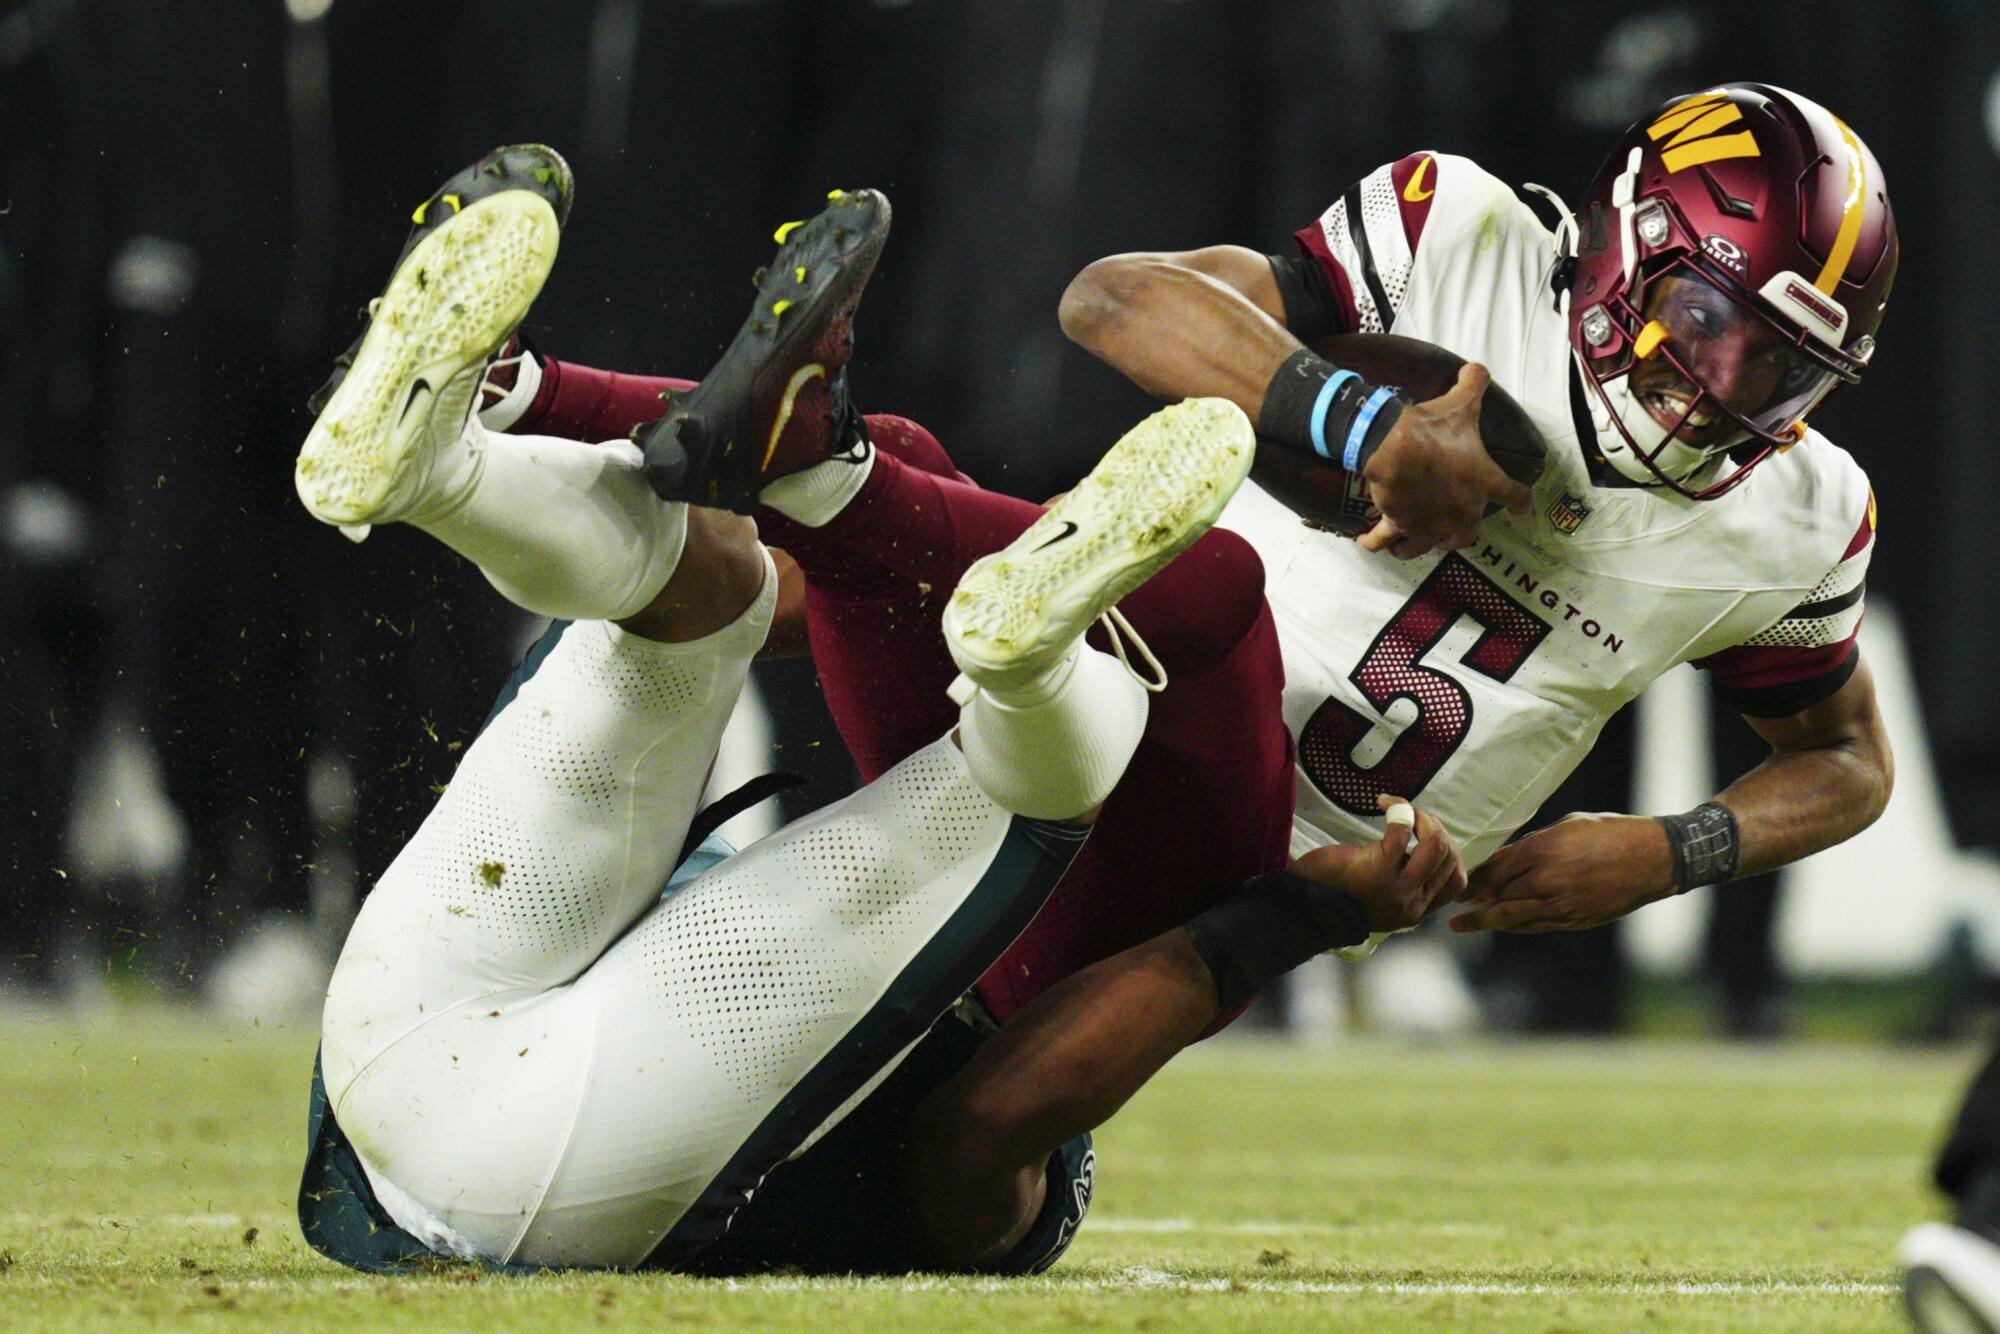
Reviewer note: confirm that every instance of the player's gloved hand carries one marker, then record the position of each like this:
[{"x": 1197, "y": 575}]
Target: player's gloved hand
[
  {"x": 1432, "y": 478},
  {"x": 1398, "y": 878},
  {"x": 1583, "y": 870}
]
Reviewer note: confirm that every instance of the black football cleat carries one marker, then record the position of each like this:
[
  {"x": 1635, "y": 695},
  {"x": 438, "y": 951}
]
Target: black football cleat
[
  {"x": 533, "y": 167},
  {"x": 777, "y": 400}
]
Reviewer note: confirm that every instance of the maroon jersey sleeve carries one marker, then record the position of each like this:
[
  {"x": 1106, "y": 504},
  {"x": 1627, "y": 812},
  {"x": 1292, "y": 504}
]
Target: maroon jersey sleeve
[
  {"x": 1365, "y": 242},
  {"x": 1808, "y": 653}
]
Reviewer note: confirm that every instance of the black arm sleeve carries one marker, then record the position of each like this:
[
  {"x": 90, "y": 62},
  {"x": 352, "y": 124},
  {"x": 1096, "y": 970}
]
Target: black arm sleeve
[
  {"x": 1312, "y": 308},
  {"x": 1273, "y": 924}
]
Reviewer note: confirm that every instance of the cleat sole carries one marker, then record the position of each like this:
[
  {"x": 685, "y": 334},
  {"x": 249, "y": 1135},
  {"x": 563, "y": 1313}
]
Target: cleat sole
[
  {"x": 451, "y": 303},
  {"x": 1016, "y": 611}
]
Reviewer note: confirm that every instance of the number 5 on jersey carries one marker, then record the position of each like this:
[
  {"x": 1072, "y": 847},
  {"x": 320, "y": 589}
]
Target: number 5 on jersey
[{"x": 1393, "y": 669}]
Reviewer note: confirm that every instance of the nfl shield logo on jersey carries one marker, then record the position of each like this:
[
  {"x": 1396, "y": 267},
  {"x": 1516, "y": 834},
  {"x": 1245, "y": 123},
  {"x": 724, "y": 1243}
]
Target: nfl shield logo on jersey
[{"x": 1568, "y": 513}]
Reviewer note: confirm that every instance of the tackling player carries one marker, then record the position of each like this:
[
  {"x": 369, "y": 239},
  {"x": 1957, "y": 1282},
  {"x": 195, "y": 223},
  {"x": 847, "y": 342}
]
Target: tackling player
[
  {"x": 1728, "y": 272},
  {"x": 533, "y": 1057}
]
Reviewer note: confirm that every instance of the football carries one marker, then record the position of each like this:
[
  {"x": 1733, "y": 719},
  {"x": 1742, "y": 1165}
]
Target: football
[{"x": 1322, "y": 492}]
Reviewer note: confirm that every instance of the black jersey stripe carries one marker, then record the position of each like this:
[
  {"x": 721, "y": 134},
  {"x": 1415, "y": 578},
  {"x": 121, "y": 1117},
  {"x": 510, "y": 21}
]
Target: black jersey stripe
[
  {"x": 1018, "y": 880},
  {"x": 1812, "y": 611},
  {"x": 1357, "y": 231}
]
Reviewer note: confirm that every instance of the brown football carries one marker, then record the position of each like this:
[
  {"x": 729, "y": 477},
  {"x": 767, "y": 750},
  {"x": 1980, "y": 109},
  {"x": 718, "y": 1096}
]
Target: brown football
[{"x": 1322, "y": 491}]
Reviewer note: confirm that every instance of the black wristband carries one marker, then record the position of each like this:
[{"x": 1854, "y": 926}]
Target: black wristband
[
  {"x": 1704, "y": 843},
  {"x": 1314, "y": 406},
  {"x": 1273, "y": 924}
]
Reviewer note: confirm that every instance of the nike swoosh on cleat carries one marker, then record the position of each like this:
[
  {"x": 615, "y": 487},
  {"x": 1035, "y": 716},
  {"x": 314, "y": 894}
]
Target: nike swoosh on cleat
[
  {"x": 1069, "y": 530},
  {"x": 421, "y": 386}
]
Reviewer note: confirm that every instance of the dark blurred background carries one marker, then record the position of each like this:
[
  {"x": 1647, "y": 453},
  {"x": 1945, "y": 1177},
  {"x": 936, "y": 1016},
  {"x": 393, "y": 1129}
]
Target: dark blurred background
[{"x": 216, "y": 718}]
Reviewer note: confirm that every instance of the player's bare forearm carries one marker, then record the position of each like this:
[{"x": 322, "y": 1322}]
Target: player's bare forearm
[
  {"x": 1828, "y": 778},
  {"x": 1075, "y": 1055},
  {"x": 975, "y": 1172},
  {"x": 1204, "y": 323}
]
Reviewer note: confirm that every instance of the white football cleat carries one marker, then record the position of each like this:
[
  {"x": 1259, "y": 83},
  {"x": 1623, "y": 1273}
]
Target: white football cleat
[
  {"x": 453, "y": 301},
  {"x": 1951, "y": 1280},
  {"x": 1047, "y": 725},
  {"x": 1019, "y": 613}
]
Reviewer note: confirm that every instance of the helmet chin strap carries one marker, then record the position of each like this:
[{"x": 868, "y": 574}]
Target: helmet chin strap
[{"x": 1566, "y": 232}]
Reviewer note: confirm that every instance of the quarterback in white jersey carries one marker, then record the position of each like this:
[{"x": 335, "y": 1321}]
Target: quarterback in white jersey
[{"x": 1730, "y": 270}]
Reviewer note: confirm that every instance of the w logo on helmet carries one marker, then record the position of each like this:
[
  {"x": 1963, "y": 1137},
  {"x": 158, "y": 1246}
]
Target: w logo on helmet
[{"x": 1693, "y": 122}]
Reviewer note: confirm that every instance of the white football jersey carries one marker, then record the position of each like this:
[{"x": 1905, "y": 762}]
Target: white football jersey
[{"x": 1473, "y": 682}]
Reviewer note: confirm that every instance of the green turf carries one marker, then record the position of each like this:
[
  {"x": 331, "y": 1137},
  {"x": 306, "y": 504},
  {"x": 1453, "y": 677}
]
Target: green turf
[{"x": 147, "y": 1161}]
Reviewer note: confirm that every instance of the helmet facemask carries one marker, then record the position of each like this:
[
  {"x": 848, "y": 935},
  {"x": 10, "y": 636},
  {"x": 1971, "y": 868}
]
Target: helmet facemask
[
  {"x": 1735, "y": 265},
  {"x": 1708, "y": 373}
]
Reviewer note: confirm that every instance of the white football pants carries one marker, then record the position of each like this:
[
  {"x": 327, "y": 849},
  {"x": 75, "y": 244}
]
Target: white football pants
[{"x": 537, "y": 1059}]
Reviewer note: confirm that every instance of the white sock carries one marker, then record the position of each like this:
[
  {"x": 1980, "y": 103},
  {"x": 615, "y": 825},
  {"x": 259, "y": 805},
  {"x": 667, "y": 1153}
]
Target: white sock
[
  {"x": 1061, "y": 755},
  {"x": 497, "y": 414},
  {"x": 560, "y": 528},
  {"x": 813, "y": 496}
]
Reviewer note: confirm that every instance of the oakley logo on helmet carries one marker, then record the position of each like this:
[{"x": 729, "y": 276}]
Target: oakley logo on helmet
[
  {"x": 1693, "y": 122},
  {"x": 1724, "y": 251}
]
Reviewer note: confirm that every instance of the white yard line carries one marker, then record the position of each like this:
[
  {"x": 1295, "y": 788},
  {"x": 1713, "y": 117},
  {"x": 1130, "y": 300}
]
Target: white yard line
[
  {"x": 1621, "y": 1171},
  {"x": 1272, "y": 1226},
  {"x": 1137, "y": 1278},
  {"x": 1157, "y": 1280},
  {"x": 134, "y": 1220}
]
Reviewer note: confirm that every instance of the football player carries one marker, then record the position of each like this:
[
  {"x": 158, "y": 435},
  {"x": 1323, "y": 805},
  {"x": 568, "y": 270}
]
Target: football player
[
  {"x": 1728, "y": 271},
  {"x": 532, "y": 1056},
  {"x": 1951, "y": 1271}
]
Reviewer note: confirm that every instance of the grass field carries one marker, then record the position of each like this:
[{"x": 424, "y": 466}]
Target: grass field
[{"x": 148, "y": 1159}]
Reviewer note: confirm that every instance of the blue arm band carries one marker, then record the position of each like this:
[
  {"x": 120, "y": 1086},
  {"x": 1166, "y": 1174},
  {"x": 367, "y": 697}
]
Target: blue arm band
[
  {"x": 1327, "y": 393},
  {"x": 1362, "y": 420}
]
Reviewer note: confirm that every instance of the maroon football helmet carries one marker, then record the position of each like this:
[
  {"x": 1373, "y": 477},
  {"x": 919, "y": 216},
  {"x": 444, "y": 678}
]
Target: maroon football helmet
[{"x": 1735, "y": 257}]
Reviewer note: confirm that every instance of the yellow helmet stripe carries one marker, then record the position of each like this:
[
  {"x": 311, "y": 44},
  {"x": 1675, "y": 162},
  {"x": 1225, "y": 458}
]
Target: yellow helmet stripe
[
  {"x": 1680, "y": 113},
  {"x": 1850, "y": 218},
  {"x": 1707, "y": 123},
  {"x": 1712, "y": 149}
]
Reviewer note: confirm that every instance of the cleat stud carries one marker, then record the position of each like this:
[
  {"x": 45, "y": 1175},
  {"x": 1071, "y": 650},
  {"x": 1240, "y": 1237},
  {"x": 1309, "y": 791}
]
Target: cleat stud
[
  {"x": 786, "y": 230},
  {"x": 799, "y": 274},
  {"x": 456, "y": 207},
  {"x": 780, "y": 307},
  {"x": 757, "y": 278},
  {"x": 418, "y": 216},
  {"x": 494, "y": 169},
  {"x": 836, "y": 196}
]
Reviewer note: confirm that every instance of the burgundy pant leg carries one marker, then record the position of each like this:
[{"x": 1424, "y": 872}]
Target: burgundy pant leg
[
  {"x": 1207, "y": 801},
  {"x": 1205, "y": 804}
]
